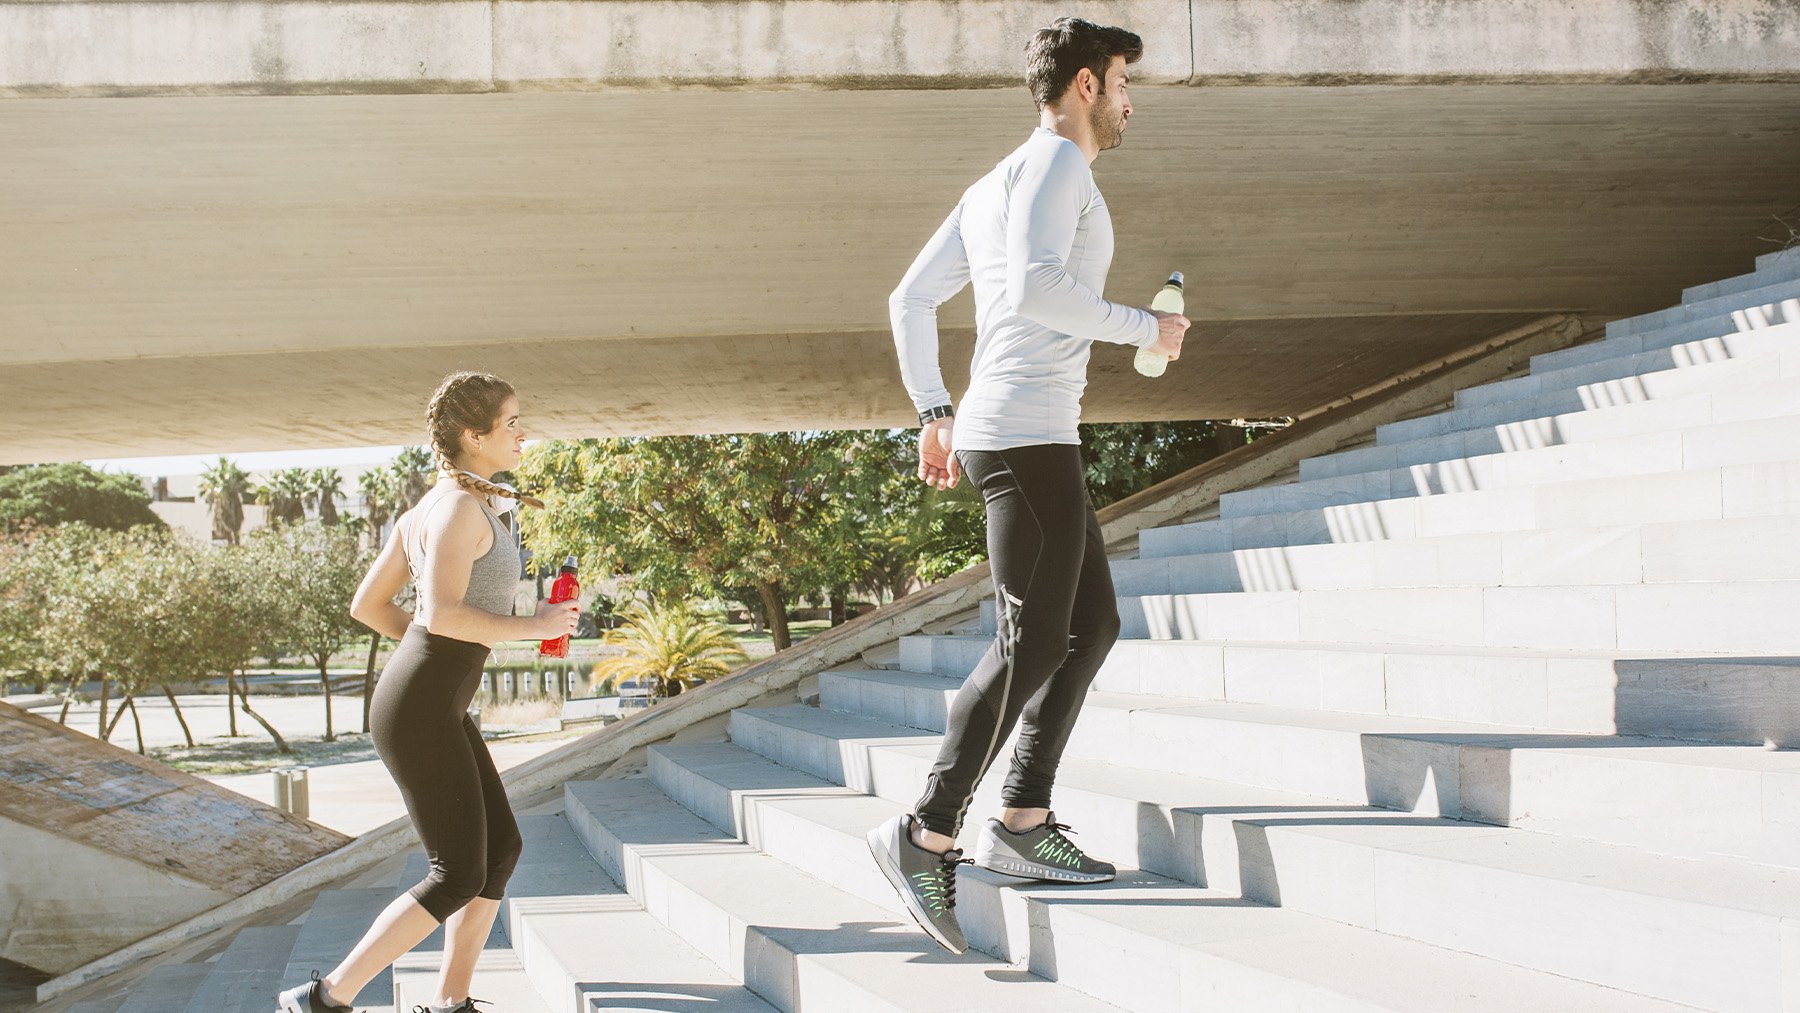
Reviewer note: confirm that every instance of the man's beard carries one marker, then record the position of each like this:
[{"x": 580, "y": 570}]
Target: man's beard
[{"x": 1108, "y": 126}]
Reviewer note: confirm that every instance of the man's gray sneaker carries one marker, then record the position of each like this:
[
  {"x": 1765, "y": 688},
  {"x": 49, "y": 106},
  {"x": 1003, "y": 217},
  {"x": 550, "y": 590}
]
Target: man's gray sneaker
[
  {"x": 308, "y": 998},
  {"x": 925, "y": 880},
  {"x": 1039, "y": 853}
]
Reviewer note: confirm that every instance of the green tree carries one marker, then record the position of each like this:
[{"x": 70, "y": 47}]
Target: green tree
[
  {"x": 58, "y": 600},
  {"x": 223, "y": 486},
  {"x": 324, "y": 488},
  {"x": 317, "y": 570},
  {"x": 98, "y": 619},
  {"x": 285, "y": 495},
  {"x": 244, "y": 584},
  {"x": 54, "y": 494},
  {"x": 908, "y": 531},
  {"x": 379, "y": 488},
  {"x": 701, "y": 515},
  {"x": 1126, "y": 457},
  {"x": 672, "y": 647},
  {"x": 414, "y": 471}
]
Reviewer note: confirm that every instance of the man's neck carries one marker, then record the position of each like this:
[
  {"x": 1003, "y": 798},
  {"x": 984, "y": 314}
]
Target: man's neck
[{"x": 1073, "y": 127}]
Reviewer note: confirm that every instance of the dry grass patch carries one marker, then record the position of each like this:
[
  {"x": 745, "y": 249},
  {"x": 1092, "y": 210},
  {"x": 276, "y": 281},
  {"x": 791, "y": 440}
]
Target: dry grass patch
[{"x": 521, "y": 713}]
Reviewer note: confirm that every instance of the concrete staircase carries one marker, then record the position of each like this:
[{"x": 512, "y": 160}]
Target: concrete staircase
[{"x": 1477, "y": 717}]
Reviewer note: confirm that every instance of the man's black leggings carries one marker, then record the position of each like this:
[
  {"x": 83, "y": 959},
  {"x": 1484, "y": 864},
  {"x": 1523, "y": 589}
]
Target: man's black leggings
[
  {"x": 420, "y": 723},
  {"x": 1058, "y": 617}
]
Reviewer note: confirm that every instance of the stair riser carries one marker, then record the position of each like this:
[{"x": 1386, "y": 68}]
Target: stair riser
[
  {"x": 1688, "y": 368},
  {"x": 1671, "y": 808},
  {"x": 1752, "y": 442},
  {"x": 1765, "y": 548},
  {"x": 1709, "y": 494},
  {"x": 1762, "y": 397},
  {"x": 1728, "y": 619},
  {"x": 1615, "y": 373},
  {"x": 1754, "y": 315},
  {"x": 1555, "y": 694},
  {"x": 1625, "y": 940},
  {"x": 1686, "y": 312}
]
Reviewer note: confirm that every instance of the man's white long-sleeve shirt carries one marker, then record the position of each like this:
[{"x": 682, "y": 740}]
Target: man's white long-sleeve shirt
[{"x": 1035, "y": 239}]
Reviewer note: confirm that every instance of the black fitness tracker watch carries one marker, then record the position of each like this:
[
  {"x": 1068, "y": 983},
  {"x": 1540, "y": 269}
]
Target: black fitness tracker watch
[{"x": 931, "y": 415}]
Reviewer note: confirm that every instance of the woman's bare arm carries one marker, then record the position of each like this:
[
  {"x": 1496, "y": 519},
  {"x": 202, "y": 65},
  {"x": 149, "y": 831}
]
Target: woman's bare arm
[
  {"x": 454, "y": 531},
  {"x": 374, "y": 605}
]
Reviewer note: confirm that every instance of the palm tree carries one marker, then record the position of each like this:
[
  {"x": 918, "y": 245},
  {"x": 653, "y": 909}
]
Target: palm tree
[
  {"x": 223, "y": 486},
  {"x": 324, "y": 487},
  {"x": 285, "y": 495},
  {"x": 416, "y": 470},
  {"x": 672, "y": 648},
  {"x": 379, "y": 488}
]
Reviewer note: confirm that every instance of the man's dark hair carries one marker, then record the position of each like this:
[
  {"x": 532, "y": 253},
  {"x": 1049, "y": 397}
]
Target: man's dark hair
[{"x": 1056, "y": 54}]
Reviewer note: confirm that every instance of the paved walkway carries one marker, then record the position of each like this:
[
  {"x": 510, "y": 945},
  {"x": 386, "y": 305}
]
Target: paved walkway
[
  {"x": 351, "y": 795},
  {"x": 353, "y": 798}
]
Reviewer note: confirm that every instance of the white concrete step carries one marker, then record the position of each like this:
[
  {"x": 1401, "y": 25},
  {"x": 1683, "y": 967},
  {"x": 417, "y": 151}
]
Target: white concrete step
[
  {"x": 500, "y": 978},
  {"x": 1759, "y": 441},
  {"x": 1773, "y": 259},
  {"x": 1745, "y": 548},
  {"x": 336, "y": 922},
  {"x": 553, "y": 863},
  {"x": 1610, "y": 378},
  {"x": 799, "y": 942},
  {"x": 1765, "y": 307},
  {"x": 1779, "y": 269},
  {"x": 1772, "y": 392},
  {"x": 1752, "y": 490},
  {"x": 1183, "y": 946},
  {"x": 1704, "y": 932},
  {"x": 1675, "y": 798},
  {"x": 1713, "y": 364},
  {"x": 1775, "y": 291},
  {"x": 1750, "y": 701},
  {"x": 167, "y": 989},
  {"x": 584, "y": 944},
  {"x": 1739, "y": 618},
  {"x": 248, "y": 974}
]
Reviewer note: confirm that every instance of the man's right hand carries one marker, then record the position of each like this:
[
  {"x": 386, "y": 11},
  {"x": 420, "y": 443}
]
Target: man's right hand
[
  {"x": 1170, "y": 329},
  {"x": 938, "y": 467}
]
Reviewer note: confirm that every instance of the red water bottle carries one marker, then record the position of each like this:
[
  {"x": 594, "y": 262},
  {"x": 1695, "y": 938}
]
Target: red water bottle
[{"x": 566, "y": 588}]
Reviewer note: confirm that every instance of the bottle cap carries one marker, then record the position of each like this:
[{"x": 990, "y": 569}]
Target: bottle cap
[
  {"x": 571, "y": 565},
  {"x": 1175, "y": 280}
]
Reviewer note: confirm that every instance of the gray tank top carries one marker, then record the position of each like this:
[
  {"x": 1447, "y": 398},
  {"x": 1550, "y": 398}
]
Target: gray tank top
[{"x": 494, "y": 578}]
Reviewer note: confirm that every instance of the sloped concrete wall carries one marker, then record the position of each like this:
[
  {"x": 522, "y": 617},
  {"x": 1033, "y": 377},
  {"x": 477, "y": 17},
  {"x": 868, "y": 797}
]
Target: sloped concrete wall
[{"x": 63, "y": 903}]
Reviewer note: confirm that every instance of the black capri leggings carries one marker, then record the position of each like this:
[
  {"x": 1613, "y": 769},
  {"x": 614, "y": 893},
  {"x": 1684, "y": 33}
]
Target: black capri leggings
[{"x": 420, "y": 723}]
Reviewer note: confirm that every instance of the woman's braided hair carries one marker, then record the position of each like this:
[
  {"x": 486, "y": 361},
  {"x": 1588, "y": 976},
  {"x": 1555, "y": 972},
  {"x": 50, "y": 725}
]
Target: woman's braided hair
[{"x": 471, "y": 401}]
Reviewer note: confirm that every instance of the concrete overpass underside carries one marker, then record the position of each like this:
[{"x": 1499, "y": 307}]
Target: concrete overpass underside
[{"x": 239, "y": 262}]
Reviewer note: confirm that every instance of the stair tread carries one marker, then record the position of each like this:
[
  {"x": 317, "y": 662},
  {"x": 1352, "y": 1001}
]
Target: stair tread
[{"x": 249, "y": 972}]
